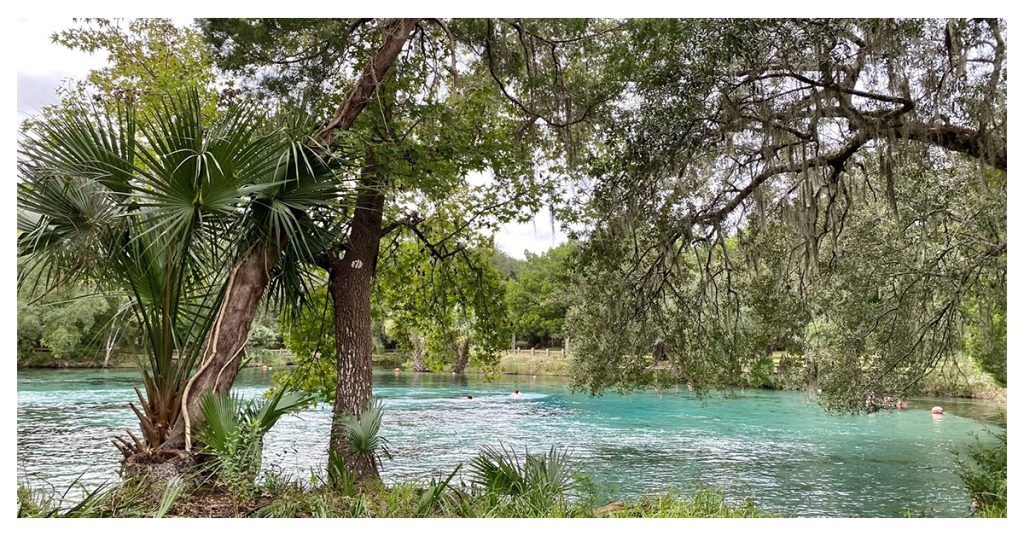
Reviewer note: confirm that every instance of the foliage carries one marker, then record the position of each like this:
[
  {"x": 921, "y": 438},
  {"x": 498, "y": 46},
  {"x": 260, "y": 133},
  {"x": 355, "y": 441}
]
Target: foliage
[
  {"x": 147, "y": 59},
  {"x": 232, "y": 431},
  {"x": 541, "y": 294},
  {"x": 456, "y": 303},
  {"x": 982, "y": 467},
  {"x": 539, "y": 483},
  {"x": 963, "y": 377},
  {"x": 309, "y": 337},
  {"x": 363, "y": 433},
  {"x": 985, "y": 324},
  {"x": 68, "y": 322},
  {"x": 724, "y": 238},
  {"x": 545, "y": 485},
  {"x": 266, "y": 335},
  {"x": 447, "y": 302},
  {"x": 301, "y": 55},
  {"x": 502, "y": 485},
  {"x": 815, "y": 151}
]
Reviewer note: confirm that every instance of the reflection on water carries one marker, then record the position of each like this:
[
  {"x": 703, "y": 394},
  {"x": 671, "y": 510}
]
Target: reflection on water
[{"x": 773, "y": 446}]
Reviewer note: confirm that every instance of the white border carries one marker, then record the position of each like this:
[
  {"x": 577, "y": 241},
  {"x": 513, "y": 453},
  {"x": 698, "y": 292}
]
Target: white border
[{"x": 534, "y": 8}]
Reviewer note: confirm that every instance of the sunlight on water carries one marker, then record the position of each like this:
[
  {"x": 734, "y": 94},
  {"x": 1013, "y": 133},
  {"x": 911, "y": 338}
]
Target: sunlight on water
[{"x": 775, "y": 447}]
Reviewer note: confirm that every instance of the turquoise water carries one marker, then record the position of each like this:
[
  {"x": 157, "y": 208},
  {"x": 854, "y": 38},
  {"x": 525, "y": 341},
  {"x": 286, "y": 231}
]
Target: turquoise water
[{"x": 775, "y": 447}]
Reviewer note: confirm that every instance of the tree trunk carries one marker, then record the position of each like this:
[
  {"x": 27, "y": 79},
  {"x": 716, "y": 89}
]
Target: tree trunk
[
  {"x": 419, "y": 348},
  {"x": 351, "y": 276},
  {"x": 811, "y": 370},
  {"x": 222, "y": 356},
  {"x": 351, "y": 280},
  {"x": 461, "y": 349},
  {"x": 109, "y": 346},
  {"x": 398, "y": 33}
]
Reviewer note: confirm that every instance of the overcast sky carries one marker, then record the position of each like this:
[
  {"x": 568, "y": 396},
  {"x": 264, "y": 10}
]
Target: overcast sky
[{"x": 44, "y": 65}]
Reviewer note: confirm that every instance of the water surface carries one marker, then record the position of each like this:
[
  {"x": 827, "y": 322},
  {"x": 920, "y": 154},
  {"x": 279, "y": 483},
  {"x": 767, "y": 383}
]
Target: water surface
[{"x": 775, "y": 447}]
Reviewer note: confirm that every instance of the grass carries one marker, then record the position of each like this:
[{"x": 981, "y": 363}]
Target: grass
[
  {"x": 541, "y": 486},
  {"x": 129, "y": 498},
  {"x": 708, "y": 502},
  {"x": 526, "y": 363},
  {"x": 464, "y": 500}
]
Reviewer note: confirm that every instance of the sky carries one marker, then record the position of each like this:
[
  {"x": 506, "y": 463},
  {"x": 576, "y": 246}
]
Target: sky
[{"x": 43, "y": 65}]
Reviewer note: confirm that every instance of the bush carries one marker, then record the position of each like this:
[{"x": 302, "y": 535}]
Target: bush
[
  {"x": 232, "y": 432},
  {"x": 982, "y": 467}
]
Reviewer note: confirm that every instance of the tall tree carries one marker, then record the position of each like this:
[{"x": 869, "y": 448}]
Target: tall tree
[
  {"x": 731, "y": 124},
  {"x": 540, "y": 295}
]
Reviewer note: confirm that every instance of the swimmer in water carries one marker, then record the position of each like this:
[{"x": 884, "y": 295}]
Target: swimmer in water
[
  {"x": 515, "y": 394},
  {"x": 469, "y": 397}
]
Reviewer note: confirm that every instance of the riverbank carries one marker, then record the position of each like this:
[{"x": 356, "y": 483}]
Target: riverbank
[
  {"x": 255, "y": 358},
  {"x": 967, "y": 381}
]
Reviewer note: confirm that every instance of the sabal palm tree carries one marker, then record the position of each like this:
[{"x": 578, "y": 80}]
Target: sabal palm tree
[{"x": 163, "y": 207}]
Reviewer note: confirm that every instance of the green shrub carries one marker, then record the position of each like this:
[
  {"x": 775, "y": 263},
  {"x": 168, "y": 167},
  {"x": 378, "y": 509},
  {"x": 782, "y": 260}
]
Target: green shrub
[
  {"x": 982, "y": 467},
  {"x": 232, "y": 432}
]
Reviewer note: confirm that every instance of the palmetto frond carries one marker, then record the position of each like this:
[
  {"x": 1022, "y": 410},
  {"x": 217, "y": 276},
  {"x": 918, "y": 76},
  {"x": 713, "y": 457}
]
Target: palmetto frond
[
  {"x": 232, "y": 431},
  {"x": 364, "y": 432},
  {"x": 539, "y": 480}
]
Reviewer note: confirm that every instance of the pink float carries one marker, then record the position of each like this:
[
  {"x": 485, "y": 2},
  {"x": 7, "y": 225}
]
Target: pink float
[{"x": 937, "y": 410}]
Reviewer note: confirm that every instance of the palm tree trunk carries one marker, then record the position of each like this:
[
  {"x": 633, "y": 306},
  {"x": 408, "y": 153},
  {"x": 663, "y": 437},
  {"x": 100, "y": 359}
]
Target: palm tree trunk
[
  {"x": 461, "y": 349},
  {"x": 351, "y": 280},
  {"x": 226, "y": 343},
  {"x": 419, "y": 348}
]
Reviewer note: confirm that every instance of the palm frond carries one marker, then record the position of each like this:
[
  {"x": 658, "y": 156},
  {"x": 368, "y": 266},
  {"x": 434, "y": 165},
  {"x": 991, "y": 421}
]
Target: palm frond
[{"x": 364, "y": 432}]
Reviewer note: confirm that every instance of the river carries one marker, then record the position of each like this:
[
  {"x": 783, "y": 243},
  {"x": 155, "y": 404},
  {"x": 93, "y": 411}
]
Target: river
[{"x": 776, "y": 447}]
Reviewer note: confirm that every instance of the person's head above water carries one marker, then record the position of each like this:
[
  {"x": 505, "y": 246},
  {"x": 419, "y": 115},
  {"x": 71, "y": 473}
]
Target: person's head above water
[{"x": 470, "y": 397}]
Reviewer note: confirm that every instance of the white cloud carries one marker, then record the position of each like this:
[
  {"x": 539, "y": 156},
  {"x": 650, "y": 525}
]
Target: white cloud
[
  {"x": 43, "y": 65},
  {"x": 536, "y": 236}
]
